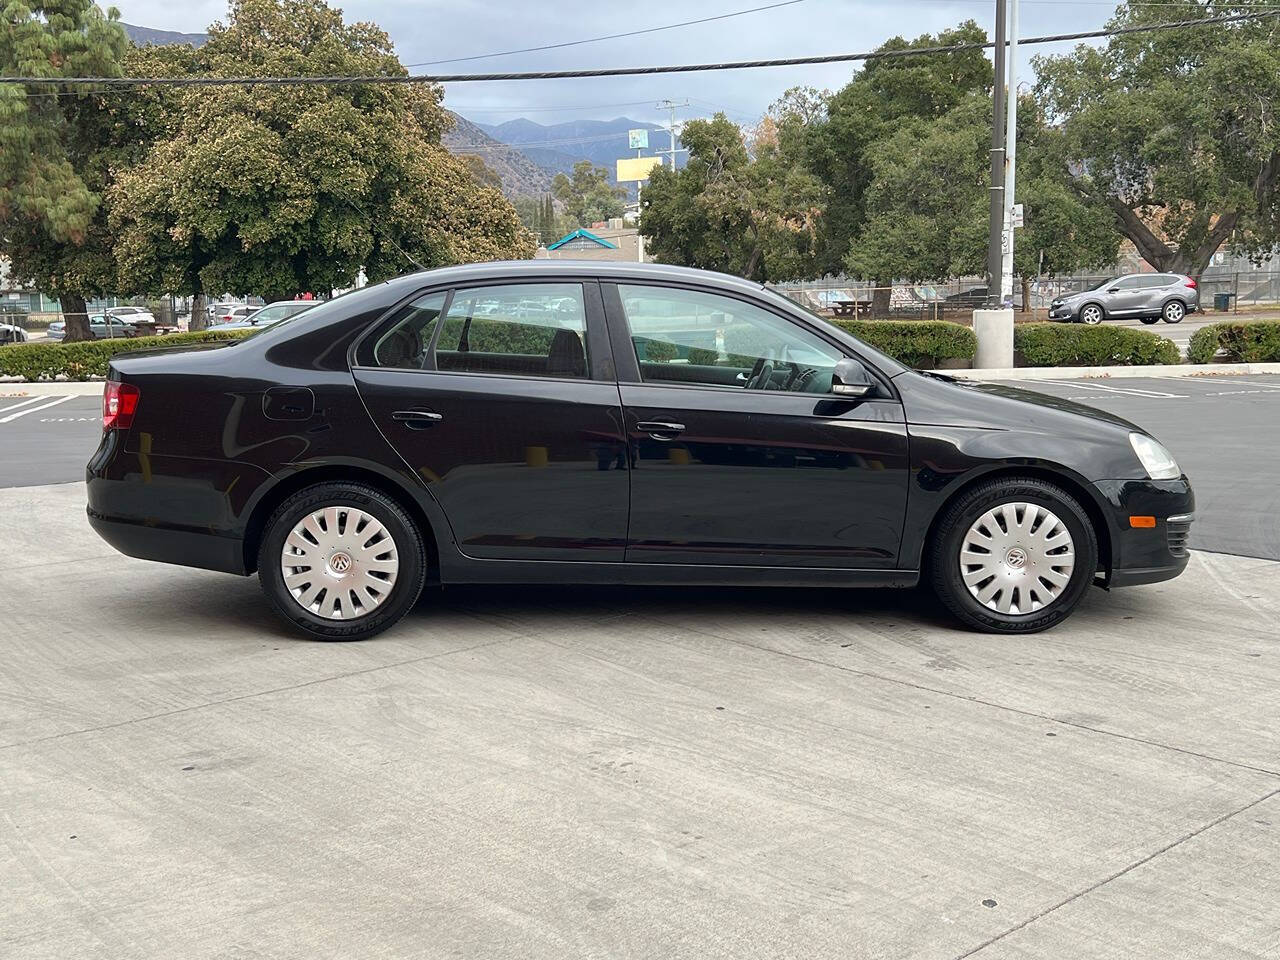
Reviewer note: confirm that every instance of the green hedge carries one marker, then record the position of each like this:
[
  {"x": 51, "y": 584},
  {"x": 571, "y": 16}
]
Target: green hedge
[
  {"x": 1077, "y": 345},
  {"x": 86, "y": 359},
  {"x": 1256, "y": 342},
  {"x": 916, "y": 343}
]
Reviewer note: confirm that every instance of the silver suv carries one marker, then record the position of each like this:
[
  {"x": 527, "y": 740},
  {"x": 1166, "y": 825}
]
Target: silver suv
[{"x": 1150, "y": 297}]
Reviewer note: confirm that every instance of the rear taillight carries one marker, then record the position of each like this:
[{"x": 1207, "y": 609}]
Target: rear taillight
[
  {"x": 1191, "y": 283},
  {"x": 119, "y": 403}
]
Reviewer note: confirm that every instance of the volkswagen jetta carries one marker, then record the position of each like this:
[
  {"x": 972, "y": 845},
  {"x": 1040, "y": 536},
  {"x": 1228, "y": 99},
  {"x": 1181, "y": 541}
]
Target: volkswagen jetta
[{"x": 550, "y": 421}]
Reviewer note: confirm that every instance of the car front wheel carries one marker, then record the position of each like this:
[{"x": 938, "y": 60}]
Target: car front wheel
[
  {"x": 1013, "y": 556},
  {"x": 1091, "y": 314},
  {"x": 1174, "y": 311},
  {"x": 341, "y": 561},
  {"x": 1150, "y": 320}
]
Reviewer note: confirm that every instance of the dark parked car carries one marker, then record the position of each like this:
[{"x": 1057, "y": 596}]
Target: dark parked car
[
  {"x": 1151, "y": 297},
  {"x": 659, "y": 426}
]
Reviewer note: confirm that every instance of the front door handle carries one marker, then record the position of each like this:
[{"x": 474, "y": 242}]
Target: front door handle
[
  {"x": 660, "y": 429},
  {"x": 417, "y": 419}
]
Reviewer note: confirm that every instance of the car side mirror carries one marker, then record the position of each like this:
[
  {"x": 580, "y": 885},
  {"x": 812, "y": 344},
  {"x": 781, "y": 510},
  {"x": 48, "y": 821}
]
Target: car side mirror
[{"x": 850, "y": 379}]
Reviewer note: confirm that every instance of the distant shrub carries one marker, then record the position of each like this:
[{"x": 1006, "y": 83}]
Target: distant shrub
[
  {"x": 1078, "y": 345},
  {"x": 915, "y": 343},
  {"x": 1248, "y": 342},
  {"x": 86, "y": 359}
]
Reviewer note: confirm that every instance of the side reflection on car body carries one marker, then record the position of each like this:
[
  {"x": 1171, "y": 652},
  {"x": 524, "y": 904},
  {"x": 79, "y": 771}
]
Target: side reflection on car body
[{"x": 551, "y": 421}]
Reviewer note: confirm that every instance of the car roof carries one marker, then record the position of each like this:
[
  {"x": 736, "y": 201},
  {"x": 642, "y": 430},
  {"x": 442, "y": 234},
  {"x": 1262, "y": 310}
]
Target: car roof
[{"x": 533, "y": 270}]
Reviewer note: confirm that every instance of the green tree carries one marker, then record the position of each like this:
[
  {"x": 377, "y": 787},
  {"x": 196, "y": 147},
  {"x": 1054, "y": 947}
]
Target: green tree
[
  {"x": 280, "y": 190},
  {"x": 588, "y": 196},
  {"x": 846, "y": 149},
  {"x": 55, "y": 151},
  {"x": 925, "y": 203},
  {"x": 1175, "y": 133},
  {"x": 1062, "y": 233},
  {"x": 749, "y": 212}
]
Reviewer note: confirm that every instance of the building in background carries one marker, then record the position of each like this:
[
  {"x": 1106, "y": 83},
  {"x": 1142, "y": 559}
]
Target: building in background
[{"x": 611, "y": 241}]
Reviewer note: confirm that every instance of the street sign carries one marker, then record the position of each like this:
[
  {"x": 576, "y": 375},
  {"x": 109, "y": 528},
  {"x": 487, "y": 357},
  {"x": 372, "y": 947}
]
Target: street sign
[
  {"x": 637, "y": 168},
  {"x": 638, "y": 139},
  {"x": 1015, "y": 219}
]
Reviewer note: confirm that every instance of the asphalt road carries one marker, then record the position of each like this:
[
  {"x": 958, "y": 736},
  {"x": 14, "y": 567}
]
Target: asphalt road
[
  {"x": 615, "y": 774},
  {"x": 1224, "y": 431}
]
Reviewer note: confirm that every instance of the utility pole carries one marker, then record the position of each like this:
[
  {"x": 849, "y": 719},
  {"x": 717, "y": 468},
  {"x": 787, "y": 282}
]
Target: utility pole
[
  {"x": 1010, "y": 159},
  {"x": 995, "y": 258},
  {"x": 672, "y": 106}
]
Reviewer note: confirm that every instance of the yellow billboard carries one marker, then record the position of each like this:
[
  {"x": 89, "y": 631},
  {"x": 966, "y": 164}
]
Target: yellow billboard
[{"x": 637, "y": 168}]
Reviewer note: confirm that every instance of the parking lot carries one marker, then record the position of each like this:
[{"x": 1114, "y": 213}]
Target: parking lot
[{"x": 593, "y": 772}]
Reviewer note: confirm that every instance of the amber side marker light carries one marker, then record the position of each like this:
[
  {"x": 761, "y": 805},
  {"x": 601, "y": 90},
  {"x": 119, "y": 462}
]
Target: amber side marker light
[{"x": 1142, "y": 522}]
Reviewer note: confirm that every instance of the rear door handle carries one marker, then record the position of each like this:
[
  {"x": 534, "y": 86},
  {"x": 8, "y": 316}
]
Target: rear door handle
[
  {"x": 417, "y": 419},
  {"x": 660, "y": 429}
]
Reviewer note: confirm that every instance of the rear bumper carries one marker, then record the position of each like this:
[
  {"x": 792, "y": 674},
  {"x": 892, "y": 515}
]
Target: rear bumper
[
  {"x": 1148, "y": 554},
  {"x": 186, "y": 548}
]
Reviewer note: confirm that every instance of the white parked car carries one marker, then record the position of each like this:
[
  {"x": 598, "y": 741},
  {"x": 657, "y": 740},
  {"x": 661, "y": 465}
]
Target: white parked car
[
  {"x": 10, "y": 333},
  {"x": 264, "y": 316}
]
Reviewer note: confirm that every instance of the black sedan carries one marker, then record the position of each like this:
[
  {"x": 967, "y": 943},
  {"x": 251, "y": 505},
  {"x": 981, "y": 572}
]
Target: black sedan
[{"x": 549, "y": 421}]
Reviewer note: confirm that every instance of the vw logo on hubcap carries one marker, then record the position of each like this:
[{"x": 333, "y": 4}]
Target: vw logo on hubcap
[
  {"x": 340, "y": 563},
  {"x": 1016, "y": 558}
]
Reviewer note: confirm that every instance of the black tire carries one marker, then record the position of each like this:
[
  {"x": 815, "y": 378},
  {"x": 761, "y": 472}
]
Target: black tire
[
  {"x": 1173, "y": 311},
  {"x": 1149, "y": 320},
  {"x": 409, "y": 548},
  {"x": 943, "y": 555}
]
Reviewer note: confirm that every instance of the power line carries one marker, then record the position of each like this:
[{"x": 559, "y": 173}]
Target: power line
[
  {"x": 253, "y": 81},
  {"x": 612, "y": 36}
]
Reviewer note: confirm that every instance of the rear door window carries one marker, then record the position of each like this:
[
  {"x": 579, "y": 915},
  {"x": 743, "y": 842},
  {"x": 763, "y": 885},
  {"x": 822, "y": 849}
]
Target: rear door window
[{"x": 519, "y": 329}]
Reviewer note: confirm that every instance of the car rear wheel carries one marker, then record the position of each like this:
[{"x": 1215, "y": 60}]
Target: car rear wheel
[
  {"x": 1174, "y": 311},
  {"x": 341, "y": 561},
  {"x": 1013, "y": 556},
  {"x": 1091, "y": 314}
]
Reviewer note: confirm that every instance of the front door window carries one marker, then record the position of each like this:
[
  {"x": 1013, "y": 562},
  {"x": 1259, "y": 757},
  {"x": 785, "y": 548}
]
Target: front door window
[{"x": 703, "y": 339}]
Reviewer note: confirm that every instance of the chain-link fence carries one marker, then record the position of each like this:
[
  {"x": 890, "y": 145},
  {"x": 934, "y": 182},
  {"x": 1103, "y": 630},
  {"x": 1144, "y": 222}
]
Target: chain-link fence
[{"x": 1221, "y": 290}]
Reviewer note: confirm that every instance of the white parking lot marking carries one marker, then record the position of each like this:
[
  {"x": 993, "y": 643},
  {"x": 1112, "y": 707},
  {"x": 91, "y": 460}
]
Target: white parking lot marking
[
  {"x": 21, "y": 403},
  {"x": 1128, "y": 391},
  {"x": 43, "y": 406}
]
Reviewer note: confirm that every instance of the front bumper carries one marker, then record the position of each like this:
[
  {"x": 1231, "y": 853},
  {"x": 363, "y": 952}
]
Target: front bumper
[
  {"x": 1063, "y": 313},
  {"x": 1148, "y": 554}
]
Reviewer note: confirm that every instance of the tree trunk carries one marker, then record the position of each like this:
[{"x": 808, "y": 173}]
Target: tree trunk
[
  {"x": 198, "y": 320},
  {"x": 75, "y": 315},
  {"x": 880, "y": 298},
  {"x": 1026, "y": 294}
]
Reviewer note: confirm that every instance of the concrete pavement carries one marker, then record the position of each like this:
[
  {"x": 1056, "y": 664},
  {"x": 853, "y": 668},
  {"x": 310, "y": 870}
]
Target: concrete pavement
[{"x": 627, "y": 773}]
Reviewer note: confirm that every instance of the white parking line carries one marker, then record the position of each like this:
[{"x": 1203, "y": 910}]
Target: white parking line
[
  {"x": 43, "y": 406},
  {"x": 21, "y": 403},
  {"x": 1273, "y": 385},
  {"x": 1127, "y": 391}
]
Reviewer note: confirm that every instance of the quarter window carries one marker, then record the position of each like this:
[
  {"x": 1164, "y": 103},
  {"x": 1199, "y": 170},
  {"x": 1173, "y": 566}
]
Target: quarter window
[
  {"x": 525, "y": 329},
  {"x": 687, "y": 336},
  {"x": 403, "y": 345}
]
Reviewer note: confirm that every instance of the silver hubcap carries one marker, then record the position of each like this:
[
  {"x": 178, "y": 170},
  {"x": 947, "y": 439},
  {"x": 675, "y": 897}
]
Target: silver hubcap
[
  {"x": 1173, "y": 312},
  {"x": 1091, "y": 315},
  {"x": 339, "y": 563},
  {"x": 1017, "y": 558}
]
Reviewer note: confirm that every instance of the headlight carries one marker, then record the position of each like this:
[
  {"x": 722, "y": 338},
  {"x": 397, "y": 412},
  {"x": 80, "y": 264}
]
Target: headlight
[{"x": 1156, "y": 460}]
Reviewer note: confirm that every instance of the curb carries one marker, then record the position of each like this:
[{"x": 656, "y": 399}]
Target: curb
[
  {"x": 1084, "y": 373},
  {"x": 52, "y": 388}
]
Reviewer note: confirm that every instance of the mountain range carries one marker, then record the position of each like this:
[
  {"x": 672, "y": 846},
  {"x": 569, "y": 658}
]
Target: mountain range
[{"x": 525, "y": 154}]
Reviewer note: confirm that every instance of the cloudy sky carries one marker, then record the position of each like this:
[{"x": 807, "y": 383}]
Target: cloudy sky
[{"x": 432, "y": 30}]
